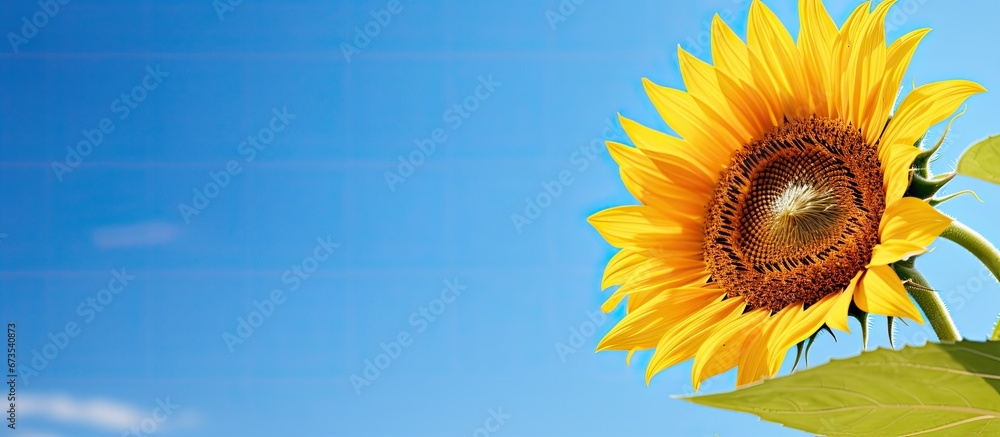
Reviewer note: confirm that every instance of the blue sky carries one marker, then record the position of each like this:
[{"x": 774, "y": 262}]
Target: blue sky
[{"x": 206, "y": 210}]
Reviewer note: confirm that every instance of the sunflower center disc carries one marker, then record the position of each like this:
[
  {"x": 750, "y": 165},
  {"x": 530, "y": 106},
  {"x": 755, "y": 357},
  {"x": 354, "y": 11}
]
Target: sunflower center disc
[{"x": 796, "y": 214}]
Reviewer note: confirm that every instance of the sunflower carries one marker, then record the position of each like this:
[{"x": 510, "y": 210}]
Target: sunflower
[{"x": 779, "y": 207}]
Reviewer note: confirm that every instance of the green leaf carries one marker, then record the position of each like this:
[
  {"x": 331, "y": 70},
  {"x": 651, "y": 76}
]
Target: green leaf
[
  {"x": 982, "y": 160},
  {"x": 932, "y": 390}
]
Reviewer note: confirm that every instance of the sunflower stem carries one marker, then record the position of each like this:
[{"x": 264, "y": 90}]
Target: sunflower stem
[
  {"x": 930, "y": 302},
  {"x": 979, "y": 246}
]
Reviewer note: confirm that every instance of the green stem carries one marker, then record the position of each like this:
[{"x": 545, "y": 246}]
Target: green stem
[
  {"x": 979, "y": 246},
  {"x": 929, "y": 300}
]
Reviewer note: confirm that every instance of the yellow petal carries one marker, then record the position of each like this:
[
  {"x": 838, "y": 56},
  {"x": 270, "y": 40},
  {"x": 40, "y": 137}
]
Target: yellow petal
[
  {"x": 881, "y": 292},
  {"x": 639, "y": 299},
  {"x": 908, "y": 226},
  {"x": 658, "y": 170},
  {"x": 721, "y": 350},
  {"x": 683, "y": 340},
  {"x": 844, "y": 80},
  {"x": 628, "y": 357},
  {"x": 671, "y": 202},
  {"x": 896, "y": 168},
  {"x": 867, "y": 62},
  {"x": 703, "y": 86},
  {"x": 767, "y": 37},
  {"x": 666, "y": 183},
  {"x": 657, "y": 275},
  {"x": 644, "y": 327},
  {"x": 816, "y": 36},
  {"x": 703, "y": 129},
  {"x": 897, "y": 250},
  {"x": 781, "y": 63},
  {"x": 732, "y": 63},
  {"x": 897, "y": 60},
  {"x": 837, "y": 316},
  {"x": 638, "y": 167},
  {"x": 710, "y": 161},
  {"x": 728, "y": 52},
  {"x": 621, "y": 266},
  {"x": 924, "y": 107},
  {"x": 750, "y": 102},
  {"x": 913, "y": 220},
  {"x": 802, "y": 325},
  {"x": 639, "y": 226},
  {"x": 754, "y": 354}
]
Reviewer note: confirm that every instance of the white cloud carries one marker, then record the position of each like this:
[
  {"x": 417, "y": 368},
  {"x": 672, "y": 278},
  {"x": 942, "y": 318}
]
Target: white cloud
[
  {"x": 95, "y": 412},
  {"x": 136, "y": 234}
]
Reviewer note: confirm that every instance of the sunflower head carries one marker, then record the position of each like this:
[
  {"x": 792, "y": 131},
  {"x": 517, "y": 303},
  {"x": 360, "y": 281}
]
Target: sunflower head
[{"x": 780, "y": 206}]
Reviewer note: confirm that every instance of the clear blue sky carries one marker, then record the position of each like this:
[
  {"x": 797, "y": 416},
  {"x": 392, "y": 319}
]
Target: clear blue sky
[{"x": 329, "y": 122}]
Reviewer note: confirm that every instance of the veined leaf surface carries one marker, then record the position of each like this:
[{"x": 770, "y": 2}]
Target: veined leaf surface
[{"x": 931, "y": 390}]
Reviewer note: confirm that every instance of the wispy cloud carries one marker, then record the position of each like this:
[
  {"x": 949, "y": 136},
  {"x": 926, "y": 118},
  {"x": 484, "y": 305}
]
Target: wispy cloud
[
  {"x": 95, "y": 412},
  {"x": 102, "y": 414},
  {"x": 136, "y": 234}
]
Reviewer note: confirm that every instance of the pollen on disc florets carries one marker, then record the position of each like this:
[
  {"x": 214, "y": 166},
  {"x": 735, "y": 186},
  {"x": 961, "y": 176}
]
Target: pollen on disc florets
[{"x": 795, "y": 216}]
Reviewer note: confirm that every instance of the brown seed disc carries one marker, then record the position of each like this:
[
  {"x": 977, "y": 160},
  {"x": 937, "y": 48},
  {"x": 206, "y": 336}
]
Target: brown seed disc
[{"x": 796, "y": 214}]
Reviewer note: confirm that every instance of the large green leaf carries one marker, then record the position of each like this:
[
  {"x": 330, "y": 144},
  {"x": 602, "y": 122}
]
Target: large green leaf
[
  {"x": 936, "y": 389},
  {"x": 982, "y": 160}
]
